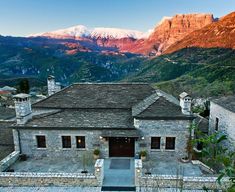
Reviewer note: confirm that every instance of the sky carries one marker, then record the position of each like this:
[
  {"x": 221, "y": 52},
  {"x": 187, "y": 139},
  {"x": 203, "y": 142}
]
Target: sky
[{"x": 25, "y": 17}]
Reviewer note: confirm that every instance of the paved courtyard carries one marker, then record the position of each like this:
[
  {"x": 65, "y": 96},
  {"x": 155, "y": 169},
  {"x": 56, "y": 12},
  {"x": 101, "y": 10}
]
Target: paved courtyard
[
  {"x": 172, "y": 166},
  {"x": 56, "y": 165}
]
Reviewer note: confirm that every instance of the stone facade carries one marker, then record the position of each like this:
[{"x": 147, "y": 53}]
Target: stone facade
[
  {"x": 148, "y": 128},
  {"x": 164, "y": 128},
  {"x": 54, "y": 142},
  {"x": 226, "y": 122}
]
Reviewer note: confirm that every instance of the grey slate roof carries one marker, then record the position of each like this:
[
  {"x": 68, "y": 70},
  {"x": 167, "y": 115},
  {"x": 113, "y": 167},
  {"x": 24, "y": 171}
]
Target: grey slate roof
[
  {"x": 84, "y": 118},
  {"x": 162, "y": 108},
  {"x": 102, "y": 106},
  {"x": 98, "y": 95},
  {"x": 6, "y": 113},
  {"x": 226, "y": 102}
]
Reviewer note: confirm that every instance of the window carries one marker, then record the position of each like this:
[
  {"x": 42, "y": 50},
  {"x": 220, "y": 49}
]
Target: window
[
  {"x": 216, "y": 123},
  {"x": 41, "y": 141},
  {"x": 66, "y": 141},
  {"x": 155, "y": 142},
  {"x": 170, "y": 142},
  {"x": 80, "y": 142}
]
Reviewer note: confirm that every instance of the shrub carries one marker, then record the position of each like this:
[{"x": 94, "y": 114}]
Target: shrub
[
  {"x": 96, "y": 152},
  {"x": 143, "y": 153}
]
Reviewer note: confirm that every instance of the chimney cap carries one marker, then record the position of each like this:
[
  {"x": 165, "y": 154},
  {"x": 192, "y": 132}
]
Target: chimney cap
[
  {"x": 51, "y": 77},
  {"x": 184, "y": 94},
  {"x": 21, "y": 96}
]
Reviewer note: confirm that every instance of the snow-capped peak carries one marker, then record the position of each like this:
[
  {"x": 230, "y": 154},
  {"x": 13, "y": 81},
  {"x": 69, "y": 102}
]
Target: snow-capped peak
[
  {"x": 115, "y": 33},
  {"x": 99, "y": 32}
]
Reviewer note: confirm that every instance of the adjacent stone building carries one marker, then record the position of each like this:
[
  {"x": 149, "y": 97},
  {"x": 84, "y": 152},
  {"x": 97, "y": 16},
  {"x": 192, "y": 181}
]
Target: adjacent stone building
[
  {"x": 222, "y": 118},
  {"x": 119, "y": 119}
]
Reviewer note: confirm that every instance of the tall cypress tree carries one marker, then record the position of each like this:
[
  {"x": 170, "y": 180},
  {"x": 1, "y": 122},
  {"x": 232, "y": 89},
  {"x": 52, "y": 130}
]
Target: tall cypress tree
[{"x": 24, "y": 86}]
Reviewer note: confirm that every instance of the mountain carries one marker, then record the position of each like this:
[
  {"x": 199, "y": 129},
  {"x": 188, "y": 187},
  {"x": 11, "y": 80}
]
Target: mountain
[
  {"x": 201, "y": 72},
  {"x": 79, "y": 54},
  {"x": 36, "y": 58},
  {"x": 171, "y": 30},
  {"x": 217, "y": 34},
  {"x": 154, "y": 42},
  {"x": 81, "y": 31}
]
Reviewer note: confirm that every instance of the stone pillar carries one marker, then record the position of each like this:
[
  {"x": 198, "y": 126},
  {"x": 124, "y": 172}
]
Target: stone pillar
[
  {"x": 52, "y": 86},
  {"x": 138, "y": 171},
  {"x": 16, "y": 140},
  {"x": 99, "y": 171},
  {"x": 185, "y": 103},
  {"x": 22, "y": 108}
]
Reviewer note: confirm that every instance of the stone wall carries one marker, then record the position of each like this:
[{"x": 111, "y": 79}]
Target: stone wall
[
  {"x": 226, "y": 122},
  {"x": 54, "y": 179},
  {"x": 47, "y": 179},
  {"x": 9, "y": 160},
  {"x": 54, "y": 142},
  {"x": 163, "y": 129},
  {"x": 6, "y": 139},
  {"x": 175, "y": 181}
]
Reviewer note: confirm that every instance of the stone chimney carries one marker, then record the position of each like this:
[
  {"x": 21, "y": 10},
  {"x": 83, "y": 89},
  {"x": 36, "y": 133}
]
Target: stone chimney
[
  {"x": 22, "y": 108},
  {"x": 185, "y": 103},
  {"x": 52, "y": 86}
]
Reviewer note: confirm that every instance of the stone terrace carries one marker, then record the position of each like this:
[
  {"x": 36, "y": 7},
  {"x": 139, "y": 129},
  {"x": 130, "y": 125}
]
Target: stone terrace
[
  {"x": 52, "y": 165},
  {"x": 172, "y": 166}
]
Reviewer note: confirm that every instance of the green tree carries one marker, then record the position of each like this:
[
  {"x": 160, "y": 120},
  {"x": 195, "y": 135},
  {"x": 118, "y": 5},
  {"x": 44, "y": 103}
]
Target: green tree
[
  {"x": 217, "y": 156},
  {"x": 24, "y": 86}
]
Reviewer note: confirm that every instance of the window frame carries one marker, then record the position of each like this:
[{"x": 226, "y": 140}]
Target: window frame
[
  {"x": 83, "y": 139},
  {"x": 62, "y": 141},
  {"x": 152, "y": 142},
  {"x": 37, "y": 141},
  {"x": 166, "y": 146}
]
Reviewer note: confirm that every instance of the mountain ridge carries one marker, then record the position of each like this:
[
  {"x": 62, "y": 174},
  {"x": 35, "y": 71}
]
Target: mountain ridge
[
  {"x": 80, "y": 31},
  {"x": 166, "y": 32},
  {"x": 217, "y": 34}
]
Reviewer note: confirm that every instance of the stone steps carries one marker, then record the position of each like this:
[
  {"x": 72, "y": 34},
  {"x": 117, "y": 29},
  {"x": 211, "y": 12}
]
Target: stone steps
[{"x": 117, "y": 188}]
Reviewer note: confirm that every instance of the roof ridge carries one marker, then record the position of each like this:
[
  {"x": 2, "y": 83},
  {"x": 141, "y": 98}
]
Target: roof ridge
[
  {"x": 51, "y": 95},
  {"x": 168, "y": 97},
  {"x": 144, "y": 104},
  {"x": 110, "y": 83}
]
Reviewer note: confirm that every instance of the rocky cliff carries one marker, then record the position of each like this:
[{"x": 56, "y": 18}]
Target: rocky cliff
[
  {"x": 171, "y": 30},
  {"x": 217, "y": 34}
]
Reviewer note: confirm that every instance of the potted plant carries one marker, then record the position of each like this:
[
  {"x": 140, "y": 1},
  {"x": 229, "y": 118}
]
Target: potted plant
[
  {"x": 96, "y": 154},
  {"x": 143, "y": 155},
  {"x": 185, "y": 159}
]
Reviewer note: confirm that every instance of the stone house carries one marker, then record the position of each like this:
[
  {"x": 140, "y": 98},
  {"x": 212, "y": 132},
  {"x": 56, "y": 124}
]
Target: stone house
[
  {"x": 119, "y": 119},
  {"x": 222, "y": 118}
]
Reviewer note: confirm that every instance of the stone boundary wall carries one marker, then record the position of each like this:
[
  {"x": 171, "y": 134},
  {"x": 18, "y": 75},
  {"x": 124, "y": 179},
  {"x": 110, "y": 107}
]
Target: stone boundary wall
[
  {"x": 47, "y": 179},
  {"x": 54, "y": 179},
  {"x": 9, "y": 160},
  {"x": 173, "y": 181},
  {"x": 204, "y": 166},
  {"x": 176, "y": 181}
]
